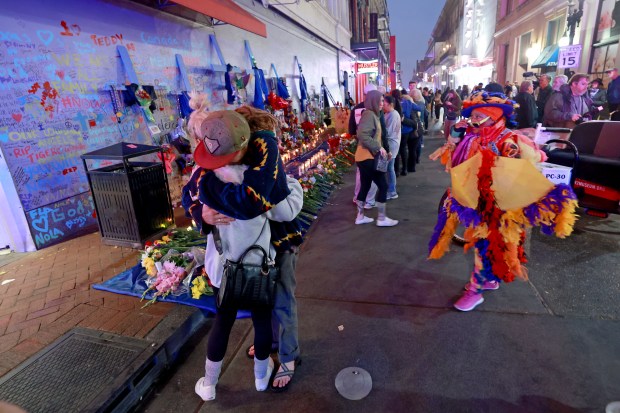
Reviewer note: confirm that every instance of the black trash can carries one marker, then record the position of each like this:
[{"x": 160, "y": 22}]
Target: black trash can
[{"x": 132, "y": 199}]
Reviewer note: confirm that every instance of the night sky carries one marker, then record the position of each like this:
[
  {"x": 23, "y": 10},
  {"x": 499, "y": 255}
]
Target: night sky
[{"x": 412, "y": 22}]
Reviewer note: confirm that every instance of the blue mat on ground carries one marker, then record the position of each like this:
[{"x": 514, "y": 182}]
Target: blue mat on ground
[{"x": 132, "y": 282}]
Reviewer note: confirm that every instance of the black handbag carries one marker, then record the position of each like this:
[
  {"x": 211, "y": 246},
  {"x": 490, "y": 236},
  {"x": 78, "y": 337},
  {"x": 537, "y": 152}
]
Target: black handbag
[{"x": 249, "y": 286}]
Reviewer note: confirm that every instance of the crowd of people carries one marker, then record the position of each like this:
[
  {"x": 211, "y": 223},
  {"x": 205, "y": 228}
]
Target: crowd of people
[{"x": 239, "y": 194}]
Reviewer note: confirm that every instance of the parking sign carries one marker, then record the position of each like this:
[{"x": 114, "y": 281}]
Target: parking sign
[{"x": 569, "y": 56}]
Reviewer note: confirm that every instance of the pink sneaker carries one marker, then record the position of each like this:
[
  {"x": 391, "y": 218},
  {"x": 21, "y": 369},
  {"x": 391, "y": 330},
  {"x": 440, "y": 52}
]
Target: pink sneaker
[
  {"x": 468, "y": 301},
  {"x": 488, "y": 285}
]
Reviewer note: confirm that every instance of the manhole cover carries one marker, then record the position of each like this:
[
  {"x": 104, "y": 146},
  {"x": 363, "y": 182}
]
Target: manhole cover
[
  {"x": 353, "y": 383},
  {"x": 69, "y": 373}
]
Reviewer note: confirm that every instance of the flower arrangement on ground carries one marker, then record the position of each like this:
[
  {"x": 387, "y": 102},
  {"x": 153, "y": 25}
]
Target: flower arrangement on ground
[{"x": 171, "y": 260}]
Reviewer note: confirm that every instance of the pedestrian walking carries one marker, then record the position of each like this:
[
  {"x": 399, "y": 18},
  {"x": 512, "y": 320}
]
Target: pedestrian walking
[{"x": 371, "y": 151}]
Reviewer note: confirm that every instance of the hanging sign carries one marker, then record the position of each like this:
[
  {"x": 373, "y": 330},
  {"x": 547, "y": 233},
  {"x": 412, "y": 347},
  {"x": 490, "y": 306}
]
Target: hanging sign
[
  {"x": 369, "y": 66},
  {"x": 569, "y": 56}
]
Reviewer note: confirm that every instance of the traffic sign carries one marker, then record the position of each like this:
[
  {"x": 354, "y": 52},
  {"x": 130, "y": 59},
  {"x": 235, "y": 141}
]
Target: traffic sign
[{"x": 569, "y": 56}]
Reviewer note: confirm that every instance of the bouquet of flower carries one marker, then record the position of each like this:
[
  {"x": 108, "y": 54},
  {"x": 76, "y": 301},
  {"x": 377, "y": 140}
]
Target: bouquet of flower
[
  {"x": 171, "y": 271},
  {"x": 144, "y": 99},
  {"x": 170, "y": 260},
  {"x": 201, "y": 285}
]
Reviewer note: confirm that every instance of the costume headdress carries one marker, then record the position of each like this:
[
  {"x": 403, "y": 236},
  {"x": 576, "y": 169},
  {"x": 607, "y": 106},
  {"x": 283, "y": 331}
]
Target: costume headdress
[{"x": 489, "y": 100}]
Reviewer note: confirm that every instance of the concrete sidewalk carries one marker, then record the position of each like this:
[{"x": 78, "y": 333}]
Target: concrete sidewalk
[{"x": 369, "y": 298}]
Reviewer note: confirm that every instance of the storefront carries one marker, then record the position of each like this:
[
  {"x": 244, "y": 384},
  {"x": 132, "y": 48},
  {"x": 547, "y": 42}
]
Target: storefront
[{"x": 606, "y": 36}]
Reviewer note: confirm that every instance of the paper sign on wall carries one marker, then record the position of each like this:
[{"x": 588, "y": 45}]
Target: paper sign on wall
[{"x": 569, "y": 56}]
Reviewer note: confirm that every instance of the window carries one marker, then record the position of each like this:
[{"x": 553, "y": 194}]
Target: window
[
  {"x": 554, "y": 31},
  {"x": 374, "y": 26},
  {"x": 505, "y": 8},
  {"x": 524, "y": 44}
]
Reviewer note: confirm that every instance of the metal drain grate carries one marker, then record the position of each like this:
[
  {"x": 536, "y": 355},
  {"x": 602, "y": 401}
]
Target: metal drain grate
[{"x": 68, "y": 374}]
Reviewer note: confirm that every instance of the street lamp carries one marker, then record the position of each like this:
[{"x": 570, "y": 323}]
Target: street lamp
[{"x": 572, "y": 22}]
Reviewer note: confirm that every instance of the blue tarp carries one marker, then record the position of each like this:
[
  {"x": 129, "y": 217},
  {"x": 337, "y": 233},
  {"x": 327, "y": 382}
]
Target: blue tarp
[{"x": 132, "y": 282}]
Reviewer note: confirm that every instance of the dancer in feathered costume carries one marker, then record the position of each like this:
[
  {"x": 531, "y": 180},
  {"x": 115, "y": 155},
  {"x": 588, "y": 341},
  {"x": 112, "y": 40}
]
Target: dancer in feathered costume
[{"x": 496, "y": 193}]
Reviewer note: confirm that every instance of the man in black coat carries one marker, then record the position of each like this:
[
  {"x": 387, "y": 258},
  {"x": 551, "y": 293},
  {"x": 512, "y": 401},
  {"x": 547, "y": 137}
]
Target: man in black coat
[{"x": 543, "y": 92}]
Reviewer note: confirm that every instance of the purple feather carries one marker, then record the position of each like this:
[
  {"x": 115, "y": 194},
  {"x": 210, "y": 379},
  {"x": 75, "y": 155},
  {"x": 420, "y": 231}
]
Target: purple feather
[{"x": 442, "y": 218}]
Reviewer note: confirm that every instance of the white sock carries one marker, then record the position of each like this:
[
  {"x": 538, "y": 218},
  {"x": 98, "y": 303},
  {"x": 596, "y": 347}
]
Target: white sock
[
  {"x": 260, "y": 367},
  {"x": 212, "y": 372},
  {"x": 381, "y": 211}
]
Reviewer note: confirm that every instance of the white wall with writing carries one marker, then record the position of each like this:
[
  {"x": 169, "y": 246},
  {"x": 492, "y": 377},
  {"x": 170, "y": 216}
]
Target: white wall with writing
[{"x": 56, "y": 59}]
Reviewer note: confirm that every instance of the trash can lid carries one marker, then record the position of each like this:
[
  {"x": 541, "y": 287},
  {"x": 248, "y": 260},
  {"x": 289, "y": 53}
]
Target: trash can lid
[{"x": 121, "y": 150}]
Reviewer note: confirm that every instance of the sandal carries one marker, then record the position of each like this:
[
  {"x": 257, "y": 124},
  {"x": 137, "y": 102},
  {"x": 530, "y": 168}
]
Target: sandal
[
  {"x": 286, "y": 372},
  {"x": 251, "y": 348}
]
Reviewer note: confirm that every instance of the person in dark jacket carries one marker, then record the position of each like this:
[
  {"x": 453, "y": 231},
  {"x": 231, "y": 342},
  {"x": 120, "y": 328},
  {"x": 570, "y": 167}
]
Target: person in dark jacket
[
  {"x": 543, "y": 92},
  {"x": 571, "y": 105},
  {"x": 526, "y": 112},
  {"x": 613, "y": 87},
  {"x": 598, "y": 94}
]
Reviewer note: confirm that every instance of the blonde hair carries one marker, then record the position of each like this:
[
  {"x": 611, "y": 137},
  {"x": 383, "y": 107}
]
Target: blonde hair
[
  {"x": 258, "y": 119},
  {"x": 198, "y": 102},
  {"x": 416, "y": 95}
]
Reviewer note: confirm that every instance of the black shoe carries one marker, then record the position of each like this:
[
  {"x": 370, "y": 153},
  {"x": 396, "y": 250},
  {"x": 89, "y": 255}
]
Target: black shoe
[
  {"x": 403, "y": 173},
  {"x": 410, "y": 170}
]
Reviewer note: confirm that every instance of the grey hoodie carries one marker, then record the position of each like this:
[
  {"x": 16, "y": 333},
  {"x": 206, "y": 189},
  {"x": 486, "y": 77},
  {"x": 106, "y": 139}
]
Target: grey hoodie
[{"x": 369, "y": 129}]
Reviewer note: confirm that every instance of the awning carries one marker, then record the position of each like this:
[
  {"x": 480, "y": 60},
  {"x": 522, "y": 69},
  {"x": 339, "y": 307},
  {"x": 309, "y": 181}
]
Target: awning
[
  {"x": 227, "y": 11},
  {"x": 548, "y": 57}
]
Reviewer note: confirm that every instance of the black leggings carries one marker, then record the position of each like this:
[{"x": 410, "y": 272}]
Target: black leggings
[
  {"x": 403, "y": 152},
  {"x": 413, "y": 144},
  {"x": 220, "y": 332},
  {"x": 368, "y": 175},
  {"x": 437, "y": 111}
]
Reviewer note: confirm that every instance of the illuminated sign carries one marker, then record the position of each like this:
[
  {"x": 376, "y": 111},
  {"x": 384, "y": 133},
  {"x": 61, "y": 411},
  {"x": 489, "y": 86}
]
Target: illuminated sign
[{"x": 369, "y": 66}]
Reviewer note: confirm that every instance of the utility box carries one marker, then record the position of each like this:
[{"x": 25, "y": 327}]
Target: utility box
[{"x": 132, "y": 198}]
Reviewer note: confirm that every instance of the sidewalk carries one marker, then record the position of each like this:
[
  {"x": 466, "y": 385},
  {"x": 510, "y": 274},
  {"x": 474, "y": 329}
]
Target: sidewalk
[{"x": 48, "y": 292}]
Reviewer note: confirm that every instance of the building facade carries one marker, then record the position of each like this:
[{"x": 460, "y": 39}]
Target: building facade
[
  {"x": 530, "y": 33},
  {"x": 370, "y": 41},
  {"x": 502, "y": 40},
  {"x": 63, "y": 68}
]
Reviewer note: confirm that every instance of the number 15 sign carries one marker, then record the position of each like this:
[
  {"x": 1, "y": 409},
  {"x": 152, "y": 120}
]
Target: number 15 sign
[{"x": 569, "y": 56}]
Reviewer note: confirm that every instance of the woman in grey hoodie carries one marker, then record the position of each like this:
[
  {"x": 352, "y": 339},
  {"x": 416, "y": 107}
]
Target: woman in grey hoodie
[{"x": 369, "y": 147}]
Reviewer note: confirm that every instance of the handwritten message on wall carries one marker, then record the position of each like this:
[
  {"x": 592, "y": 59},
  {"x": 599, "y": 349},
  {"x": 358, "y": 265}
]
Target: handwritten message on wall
[{"x": 56, "y": 61}]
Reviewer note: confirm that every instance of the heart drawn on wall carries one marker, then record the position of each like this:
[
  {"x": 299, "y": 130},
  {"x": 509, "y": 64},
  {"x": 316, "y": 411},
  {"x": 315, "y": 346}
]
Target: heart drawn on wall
[
  {"x": 17, "y": 117},
  {"x": 40, "y": 224},
  {"x": 60, "y": 74}
]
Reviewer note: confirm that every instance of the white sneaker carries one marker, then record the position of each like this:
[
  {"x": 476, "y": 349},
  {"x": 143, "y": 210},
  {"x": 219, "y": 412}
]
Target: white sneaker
[
  {"x": 369, "y": 205},
  {"x": 386, "y": 222},
  {"x": 393, "y": 195},
  {"x": 363, "y": 220},
  {"x": 205, "y": 391},
  {"x": 262, "y": 384}
]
